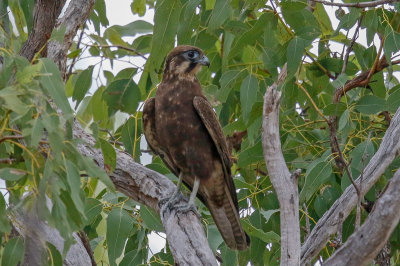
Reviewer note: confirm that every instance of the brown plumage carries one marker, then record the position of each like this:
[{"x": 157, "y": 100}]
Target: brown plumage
[{"x": 181, "y": 127}]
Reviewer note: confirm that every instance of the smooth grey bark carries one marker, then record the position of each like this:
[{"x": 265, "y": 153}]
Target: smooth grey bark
[
  {"x": 285, "y": 184},
  {"x": 364, "y": 244},
  {"x": 333, "y": 218},
  {"x": 36, "y": 233}
]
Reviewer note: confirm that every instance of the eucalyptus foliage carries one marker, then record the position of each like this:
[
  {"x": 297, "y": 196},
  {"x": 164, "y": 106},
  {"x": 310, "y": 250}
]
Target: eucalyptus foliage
[{"x": 247, "y": 42}]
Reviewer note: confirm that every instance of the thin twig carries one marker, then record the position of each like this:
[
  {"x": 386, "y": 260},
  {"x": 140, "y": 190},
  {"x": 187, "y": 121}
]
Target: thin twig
[
  {"x": 346, "y": 167},
  {"x": 312, "y": 101},
  {"x": 308, "y": 226},
  {"x": 7, "y": 161},
  {"x": 120, "y": 47},
  {"x": 350, "y": 48},
  {"x": 17, "y": 137},
  {"x": 77, "y": 47},
  {"x": 358, "y": 4},
  {"x": 326, "y": 71}
]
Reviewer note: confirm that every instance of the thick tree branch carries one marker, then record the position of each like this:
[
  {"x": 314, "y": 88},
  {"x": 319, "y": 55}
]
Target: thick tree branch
[
  {"x": 132, "y": 179},
  {"x": 285, "y": 184},
  {"x": 329, "y": 223},
  {"x": 44, "y": 19},
  {"x": 185, "y": 233},
  {"x": 36, "y": 233},
  {"x": 359, "y": 4},
  {"x": 363, "y": 245},
  {"x": 74, "y": 17}
]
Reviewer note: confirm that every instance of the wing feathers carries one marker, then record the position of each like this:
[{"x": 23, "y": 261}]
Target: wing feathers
[
  {"x": 149, "y": 129},
  {"x": 226, "y": 217}
]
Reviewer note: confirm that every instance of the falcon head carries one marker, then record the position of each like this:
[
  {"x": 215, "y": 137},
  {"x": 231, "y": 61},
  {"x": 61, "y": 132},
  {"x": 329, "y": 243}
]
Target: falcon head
[{"x": 185, "y": 60}]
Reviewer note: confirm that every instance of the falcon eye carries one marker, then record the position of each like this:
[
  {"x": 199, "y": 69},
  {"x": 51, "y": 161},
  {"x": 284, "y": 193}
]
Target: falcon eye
[{"x": 192, "y": 54}]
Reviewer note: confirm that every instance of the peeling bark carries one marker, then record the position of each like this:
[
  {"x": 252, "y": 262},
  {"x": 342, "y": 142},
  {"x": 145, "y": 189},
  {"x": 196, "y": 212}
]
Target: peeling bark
[
  {"x": 285, "y": 184},
  {"x": 364, "y": 244},
  {"x": 44, "y": 18},
  {"x": 329, "y": 223}
]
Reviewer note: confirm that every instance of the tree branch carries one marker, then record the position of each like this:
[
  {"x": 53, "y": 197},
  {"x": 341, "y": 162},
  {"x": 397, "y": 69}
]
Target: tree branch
[
  {"x": 358, "y": 5},
  {"x": 36, "y": 233},
  {"x": 185, "y": 233},
  {"x": 328, "y": 224},
  {"x": 360, "y": 80},
  {"x": 74, "y": 17},
  {"x": 284, "y": 183},
  {"x": 132, "y": 179},
  {"x": 44, "y": 19},
  {"x": 363, "y": 245}
]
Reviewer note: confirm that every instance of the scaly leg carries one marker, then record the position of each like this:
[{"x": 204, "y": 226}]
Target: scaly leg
[
  {"x": 191, "y": 206},
  {"x": 176, "y": 196}
]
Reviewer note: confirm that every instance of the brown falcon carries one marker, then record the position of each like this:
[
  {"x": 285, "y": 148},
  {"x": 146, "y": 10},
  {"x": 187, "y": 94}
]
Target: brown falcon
[{"x": 181, "y": 127}]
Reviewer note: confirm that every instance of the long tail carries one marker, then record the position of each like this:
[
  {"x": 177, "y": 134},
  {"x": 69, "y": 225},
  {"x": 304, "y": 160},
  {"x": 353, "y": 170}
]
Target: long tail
[{"x": 226, "y": 217}]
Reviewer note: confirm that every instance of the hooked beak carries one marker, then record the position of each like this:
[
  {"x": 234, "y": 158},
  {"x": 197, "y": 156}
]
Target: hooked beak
[{"x": 204, "y": 61}]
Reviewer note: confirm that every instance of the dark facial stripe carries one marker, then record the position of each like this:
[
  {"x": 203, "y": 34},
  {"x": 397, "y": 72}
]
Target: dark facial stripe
[{"x": 191, "y": 67}]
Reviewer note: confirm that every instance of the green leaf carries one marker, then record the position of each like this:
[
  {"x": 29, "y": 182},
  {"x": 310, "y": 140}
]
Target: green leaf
[
  {"x": 13, "y": 252},
  {"x": 11, "y": 101},
  {"x": 123, "y": 95},
  {"x": 219, "y": 14},
  {"x": 251, "y": 155},
  {"x": 94, "y": 171},
  {"x": 214, "y": 237},
  {"x": 166, "y": 20},
  {"x": 251, "y": 35},
  {"x": 128, "y": 134},
  {"x": 248, "y": 95},
  {"x": 361, "y": 155},
  {"x": 315, "y": 178},
  {"x": 4, "y": 223},
  {"x": 109, "y": 155},
  {"x": 100, "y": 8},
  {"x": 27, "y": 7},
  {"x": 393, "y": 101},
  {"x": 267, "y": 237},
  {"x": 99, "y": 108},
  {"x": 370, "y": 104},
  {"x": 348, "y": 20},
  {"x": 138, "y": 7},
  {"x": 133, "y": 257},
  {"x": 54, "y": 257},
  {"x": 93, "y": 208},
  {"x": 58, "y": 34},
  {"x": 37, "y": 132},
  {"x": 28, "y": 73},
  {"x": 83, "y": 84},
  {"x": 131, "y": 29},
  {"x": 340, "y": 81},
  {"x": 335, "y": 109},
  {"x": 268, "y": 214},
  {"x": 151, "y": 219},
  {"x": 392, "y": 42},
  {"x": 119, "y": 225},
  {"x": 227, "y": 81},
  {"x": 11, "y": 174},
  {"x": 323, "y": 19},
  {"x": 74, "y": 182},
  {"x": 344, "y": 119},
  {"x": 54, "y": 86},
  {"x": 294, "y": 54}
]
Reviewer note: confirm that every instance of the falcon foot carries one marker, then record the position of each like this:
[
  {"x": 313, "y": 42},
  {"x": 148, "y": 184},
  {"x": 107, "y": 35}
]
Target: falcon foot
[
  {"x": 187, "y": 208},
  {"x": 171, "y": 201}
]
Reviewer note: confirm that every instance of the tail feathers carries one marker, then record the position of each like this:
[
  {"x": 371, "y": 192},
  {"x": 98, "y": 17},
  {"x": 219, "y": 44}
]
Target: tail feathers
[{"x": 226, "y": 217}]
